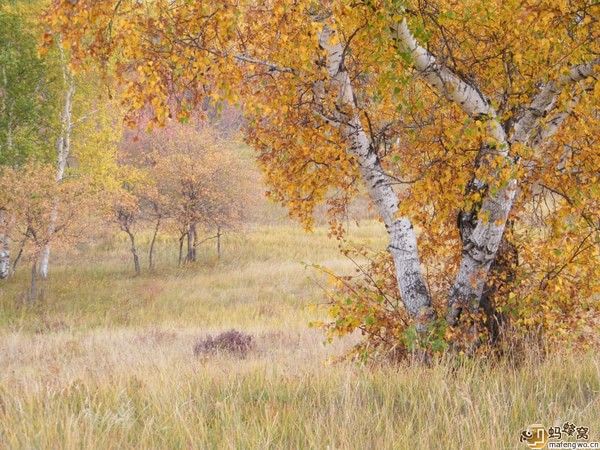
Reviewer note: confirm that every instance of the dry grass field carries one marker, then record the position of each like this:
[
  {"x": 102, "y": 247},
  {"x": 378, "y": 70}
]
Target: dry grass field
[{"x": 106, "y": 361}]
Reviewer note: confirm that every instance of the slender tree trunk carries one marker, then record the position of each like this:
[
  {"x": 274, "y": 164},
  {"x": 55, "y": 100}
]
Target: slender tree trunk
[
  {"x": 33, "y": 294},
  {"x": 134, "y": 253},
  {"x": 181, "y": 239},
  {"x": 402, "y": 238},
  {"x": 503, "y": 266},
  {"x": 467, "y": 224},
  {"x": 63, "y": 149},
  {"x": 219, "y": 242},
  {"x": 195, "y": 242},
  {"x": 188, "y": 255},
  {"x": 479, "y": 251},
  {"x": 4, "y": 256},
  {"x": 151, "y": 252},
  {"x": 191, "y": 243},
  {"x": 4, "y": 249},
  {"x": 19, "y": 254},
  {"x": 45, "y": 256},
  {"x": 4, "y": 239}
]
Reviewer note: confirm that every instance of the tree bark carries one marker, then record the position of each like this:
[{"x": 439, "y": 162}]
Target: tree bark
[
  {"x": 134, "y": 253},
  {"x": 4, "y": 256},
  {"x": 194, "y": 243},
  {"x": 501, "y": 276},
  {"x": 19, "y": 254},
  {"x": 481, "y": 229},
  {"x": 63, "y": 149},
  {"x": 181, "y": 239},
  {"x": 402, "y": 238},
  {"x": 4, "y": 248},
  {"x": 479, "y": 250},
  {"x": 191, "y": 243},
  {"x": 528, "y": 128},
  {"x": 4, "y": 239}
]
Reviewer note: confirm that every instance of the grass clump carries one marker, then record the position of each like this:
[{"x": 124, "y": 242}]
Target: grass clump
[{"x": 233, "y": 342}]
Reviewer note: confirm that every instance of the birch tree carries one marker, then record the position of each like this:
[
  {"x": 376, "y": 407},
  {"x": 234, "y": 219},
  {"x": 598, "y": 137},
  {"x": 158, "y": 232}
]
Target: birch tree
[
  {"x": 482, "y": 237},
  {"x": 25, "y": 99},
  {"x": 458, "y": 118},
  {"x": 63, "y": 146},
  {"x": 32, "y": 197}
]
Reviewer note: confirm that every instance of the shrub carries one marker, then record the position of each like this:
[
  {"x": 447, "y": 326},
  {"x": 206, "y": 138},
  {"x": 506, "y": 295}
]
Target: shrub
[
  {"x": 232, "y": 341},
  {"x": 369, "y": 302}
]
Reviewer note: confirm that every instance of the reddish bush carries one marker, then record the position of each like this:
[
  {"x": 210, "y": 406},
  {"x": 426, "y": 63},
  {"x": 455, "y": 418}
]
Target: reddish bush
[{"x": 232, "y": 341}]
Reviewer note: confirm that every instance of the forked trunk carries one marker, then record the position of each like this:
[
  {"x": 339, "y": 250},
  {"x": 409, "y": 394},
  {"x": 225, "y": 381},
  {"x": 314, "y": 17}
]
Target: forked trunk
[{"x": 134, "y": 253}]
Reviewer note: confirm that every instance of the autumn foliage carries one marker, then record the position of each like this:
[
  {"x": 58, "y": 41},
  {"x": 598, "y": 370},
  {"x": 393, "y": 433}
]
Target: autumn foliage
[
  {"x": 184, "y": 180},
  {"x": 39, "y": 211},
  {"x": 472, "y": 126}
]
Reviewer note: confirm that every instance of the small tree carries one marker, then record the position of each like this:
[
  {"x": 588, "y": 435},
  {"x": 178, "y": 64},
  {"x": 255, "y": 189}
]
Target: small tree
[
  {"x": 126, "y": 211},
  {"x": 127, "y": 214},
  {"x": 205, "y": 180},
  {"x": 227, "y": 211},
  {"x": 195, "y": 183},
  {"x": 34, "y": 195},
  {"x": 157, "y": 210}
]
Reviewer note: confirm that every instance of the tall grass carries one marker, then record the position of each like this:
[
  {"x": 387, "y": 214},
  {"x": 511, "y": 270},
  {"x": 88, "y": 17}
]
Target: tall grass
[{"x": 106, "y": 361}]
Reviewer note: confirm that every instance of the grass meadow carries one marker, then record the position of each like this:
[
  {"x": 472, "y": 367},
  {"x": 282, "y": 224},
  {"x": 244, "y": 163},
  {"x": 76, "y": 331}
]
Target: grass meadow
[{"x": 106, "y": 361}]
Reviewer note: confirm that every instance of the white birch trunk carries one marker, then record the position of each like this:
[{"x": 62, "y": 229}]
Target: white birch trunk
[
  {"x": 402, "y": 238},
  {"x": 4, "y": 257},
  {"x": 527, "y": 129},
  {"x": 480, "y": 248},
  {"x": 4, "y": 239},
  {"x": 481, "y": 244},
  {"x": 4, "y": 249},
  {"x": 63, "y": 149},
  {"x": 451, "y": 86},
  {"x": 479, "y": 251}
]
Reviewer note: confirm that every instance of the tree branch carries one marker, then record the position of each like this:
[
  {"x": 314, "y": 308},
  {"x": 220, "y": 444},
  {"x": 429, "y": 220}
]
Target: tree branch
[
  {"x": 527, "y": 127},
  {"x": 450, "y": 85},
  {"x": 273, "y": 67}
]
